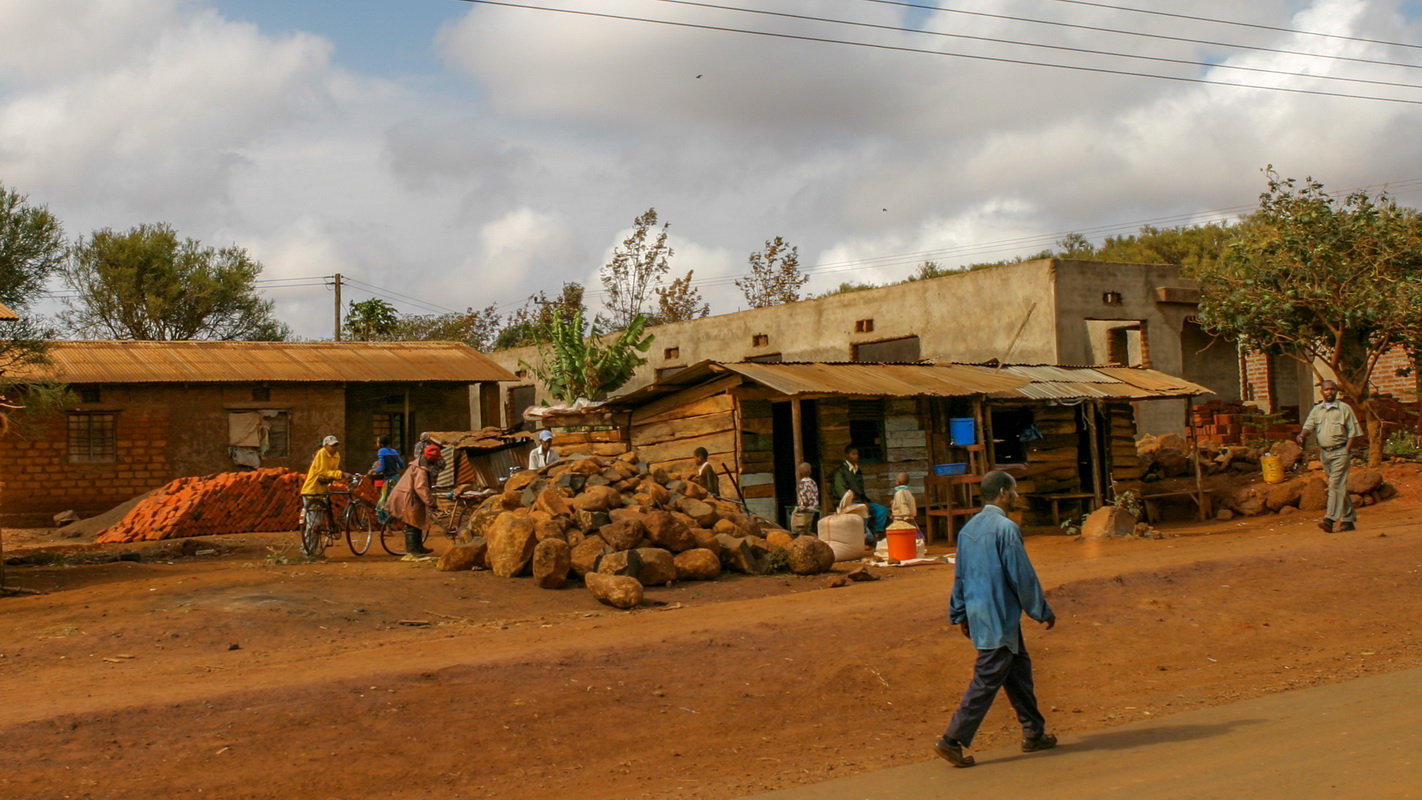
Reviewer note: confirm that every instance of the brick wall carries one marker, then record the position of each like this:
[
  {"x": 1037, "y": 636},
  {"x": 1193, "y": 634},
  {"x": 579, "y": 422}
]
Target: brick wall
[
  {"x": 1387, "y": 381},
  {"x": 162, "y": 432},
  {"x": 1254, "y": 377}
]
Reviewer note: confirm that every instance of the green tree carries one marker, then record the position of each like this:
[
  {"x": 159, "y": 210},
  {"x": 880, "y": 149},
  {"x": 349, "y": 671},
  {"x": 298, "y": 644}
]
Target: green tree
[
  {"x": 147, "y": 284},
  {"x": 474, "y": 328},
  {"x": 637, "y": 265},
  {"x": 775, "y": 277},
  {"x": 845, "y": 287},
  {"x": 370, "y": 320},
  {"x": 678, "y": 301},
  {"x": 1326, "y": 281},
  {"x": 927, "y": 270},
  {"x": 32, "y": 248},
  {"x": 575, "y": 361},
  {"x": 1186, "y": 246},
  {"x": 523, "y": 326}
]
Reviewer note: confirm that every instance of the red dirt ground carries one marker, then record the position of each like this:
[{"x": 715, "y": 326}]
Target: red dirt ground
[{"x": 227, "y": 675}]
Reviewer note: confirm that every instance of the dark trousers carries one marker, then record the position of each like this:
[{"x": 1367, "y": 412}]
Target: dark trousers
[{"x": 998, "y": 669}]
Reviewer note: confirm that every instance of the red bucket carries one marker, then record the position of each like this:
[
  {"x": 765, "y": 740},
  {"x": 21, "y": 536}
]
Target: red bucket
[{"x": 903, "y": 544}]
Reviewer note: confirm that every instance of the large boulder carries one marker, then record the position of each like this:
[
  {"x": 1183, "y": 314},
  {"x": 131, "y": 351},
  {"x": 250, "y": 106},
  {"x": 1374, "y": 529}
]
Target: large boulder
[
  {"x": 586, "y": 553},
  {"x": 552, "y": 503},
  {"x": 699, "y": 510},
  {"x": 699, "y": 564},
  {"x": 512, "y": 538},
  {"x": 464, "y": 556},
  {"x": 1108, "y": 521},
  {"x": 1284, "y": 495},
  {"x": 655, "y": 491},
  {"x": 1172, "y": 441},
  {"x": 1172, "y": 463},
  {"x": 618, "y": 591},
  {"x": 623, "y": 535},
  {"x": 658, "y": 566},
  {"x": 810, "y": 556},
  {"x": 590, "y": 521},
  {"x": 598, "y": 498},
  {"x": 1364, "y": 481},
  {"x": 550, "y": 528},
  {"x": 666, "y": 530},
  {"x": 552, "y": 560},
  {"x": 779, "y": 539},
  {"x": 1288, "y": 453}
]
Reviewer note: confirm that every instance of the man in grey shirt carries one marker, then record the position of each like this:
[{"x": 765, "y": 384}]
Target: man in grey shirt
[{"x": 1337, "y": 430}]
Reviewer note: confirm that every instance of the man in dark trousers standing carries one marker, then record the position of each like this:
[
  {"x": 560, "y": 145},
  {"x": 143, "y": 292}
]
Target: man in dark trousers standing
[{"x": 993, "y": 585}]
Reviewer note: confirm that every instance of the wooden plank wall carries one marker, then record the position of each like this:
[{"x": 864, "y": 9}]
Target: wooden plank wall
[
  {"x": 665, "y": 432},
  {"x": 1052, "y": 463},
  {"x": 1125, "y": 461}
]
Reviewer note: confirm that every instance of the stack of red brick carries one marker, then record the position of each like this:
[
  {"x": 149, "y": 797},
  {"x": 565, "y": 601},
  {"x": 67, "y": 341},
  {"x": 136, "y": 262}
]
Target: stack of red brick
[
  {"x": 1236, "y": 423},
  {"x": 228, "y": 502}
]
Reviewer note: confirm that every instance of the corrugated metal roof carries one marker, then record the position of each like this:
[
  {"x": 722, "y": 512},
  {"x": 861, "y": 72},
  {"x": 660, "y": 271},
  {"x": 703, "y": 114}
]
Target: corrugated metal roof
[
  {"x": 265, "y": 362},
  {"x": 6, "y": 314},
  {"x": 1028, "y": 382}
]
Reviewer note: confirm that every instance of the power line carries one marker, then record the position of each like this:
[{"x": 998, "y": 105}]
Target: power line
[
  {"x": 1239, "y": 24},
  {"x": 904, "y": 49},
  {"x": 1057, "y": 47},
  {"x": 1143, "y": 34}
]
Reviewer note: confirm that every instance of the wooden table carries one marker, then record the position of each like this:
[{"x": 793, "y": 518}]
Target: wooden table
[
  {"x": 950, "y": 497},
  {"x": 1087, "y": 499}
]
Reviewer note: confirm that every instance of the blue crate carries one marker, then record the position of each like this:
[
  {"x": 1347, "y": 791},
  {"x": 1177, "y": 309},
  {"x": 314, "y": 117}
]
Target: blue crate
[{"x": 942, "y": 470}]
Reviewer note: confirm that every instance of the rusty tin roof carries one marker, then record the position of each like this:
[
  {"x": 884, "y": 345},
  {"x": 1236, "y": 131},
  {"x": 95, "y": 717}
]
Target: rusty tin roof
[
  {"x": 1026, "y": 382},
  {"x": 6, "y": 314},
  {"x": 264, "y": 362}
]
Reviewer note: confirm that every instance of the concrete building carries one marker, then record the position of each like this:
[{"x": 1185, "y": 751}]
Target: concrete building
[
  {"x": 1050, "y": 311},
  {"x": 149, "y": 412}
]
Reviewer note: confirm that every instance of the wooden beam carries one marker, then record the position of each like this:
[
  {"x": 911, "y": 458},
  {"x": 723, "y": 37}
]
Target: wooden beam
[
  {"x": 1090, "y": 410},
  {"x": 797, "y": 428}
]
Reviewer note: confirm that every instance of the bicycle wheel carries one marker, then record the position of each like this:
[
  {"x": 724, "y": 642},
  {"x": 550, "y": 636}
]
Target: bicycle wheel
[
  {"x": 392, "y": 537},
  {"x": 314, "y": 537},
  {"x": 361, "y": 527}
]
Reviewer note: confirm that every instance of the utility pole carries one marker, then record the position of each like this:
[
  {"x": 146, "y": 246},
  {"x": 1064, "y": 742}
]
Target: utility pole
[{"x": 337, "y": 284}]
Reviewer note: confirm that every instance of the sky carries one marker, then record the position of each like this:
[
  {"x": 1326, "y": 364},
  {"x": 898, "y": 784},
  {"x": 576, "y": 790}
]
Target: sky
[{"x": 445, "y": 155}]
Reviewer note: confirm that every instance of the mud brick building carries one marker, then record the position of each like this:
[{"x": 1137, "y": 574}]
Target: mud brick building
[
  {"x": 1048, "y": 311},
  {"x": 148, "y": 412}
]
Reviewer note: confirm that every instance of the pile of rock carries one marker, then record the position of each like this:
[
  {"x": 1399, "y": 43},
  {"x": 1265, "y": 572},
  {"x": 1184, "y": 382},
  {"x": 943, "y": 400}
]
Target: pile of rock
[
  {"x": 1308, "y": 493},
  {"x": 620, "y": 526},
  {"x": 1168, "y": 456}
]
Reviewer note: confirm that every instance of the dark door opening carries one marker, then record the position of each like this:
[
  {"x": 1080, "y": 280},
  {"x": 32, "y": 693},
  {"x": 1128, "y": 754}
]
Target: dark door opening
[{"x": 783, "y": 434}]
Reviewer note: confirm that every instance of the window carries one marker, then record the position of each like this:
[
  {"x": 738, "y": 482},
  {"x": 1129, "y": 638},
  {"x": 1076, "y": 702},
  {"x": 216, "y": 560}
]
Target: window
[
  {"x": 267, "y": 431},
  {"x": 671, "y": 353},
  {"x": 93, "y": 437},
  {"x": 89, "y": 396},
  {"x": 766, "y": 358},
  {"x": 864, "y": 326},
  {"x": 891, "y": 351},
  {"x": 390, "y": 424},
  {"x": 760, "y": 340}
]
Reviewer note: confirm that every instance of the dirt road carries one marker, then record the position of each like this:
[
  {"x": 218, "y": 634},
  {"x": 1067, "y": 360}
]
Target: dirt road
[{"x": 227, "y": 675}]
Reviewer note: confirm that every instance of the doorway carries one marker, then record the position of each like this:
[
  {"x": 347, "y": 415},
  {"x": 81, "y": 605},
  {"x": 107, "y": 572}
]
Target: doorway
[{"x": 783, "y": 435}]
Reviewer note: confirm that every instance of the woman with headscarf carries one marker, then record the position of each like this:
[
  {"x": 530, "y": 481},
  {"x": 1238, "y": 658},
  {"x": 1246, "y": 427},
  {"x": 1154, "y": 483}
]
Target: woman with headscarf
[{"x": 412, "y": 499}]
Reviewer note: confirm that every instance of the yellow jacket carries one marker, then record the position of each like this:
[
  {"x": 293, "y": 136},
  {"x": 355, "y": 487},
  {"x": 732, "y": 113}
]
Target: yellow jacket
[{"x": 323, "y": 465}]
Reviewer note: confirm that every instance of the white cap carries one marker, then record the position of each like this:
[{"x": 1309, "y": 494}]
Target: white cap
[
  {"x": 330, "y": 440},
  {"x": 545, "y": 435}
]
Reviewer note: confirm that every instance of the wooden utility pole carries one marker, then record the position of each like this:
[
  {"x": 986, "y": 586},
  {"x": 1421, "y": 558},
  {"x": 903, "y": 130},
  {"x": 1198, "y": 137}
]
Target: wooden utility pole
[{"x": 337, "y": 284}]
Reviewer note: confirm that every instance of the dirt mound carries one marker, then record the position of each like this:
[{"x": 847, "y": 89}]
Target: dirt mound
[{"x": 93, "y": 526}]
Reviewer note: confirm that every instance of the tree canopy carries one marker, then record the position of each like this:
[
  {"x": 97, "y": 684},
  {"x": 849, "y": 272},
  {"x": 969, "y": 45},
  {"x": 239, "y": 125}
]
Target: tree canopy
[
  {"x": 1324, "y": 280},
  {"x": 370, "y": 320},
  {"x": 637, "y": 266},
  {"x": 775, "y": 277},
  {"x": 678, "y": 301},
  {"x": 146, "y": 283},
  {"x": 32, "y": 248}
]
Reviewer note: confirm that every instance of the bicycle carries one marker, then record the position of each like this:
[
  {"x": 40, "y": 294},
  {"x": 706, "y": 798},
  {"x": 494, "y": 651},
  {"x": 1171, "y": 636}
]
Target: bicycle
[
  {"x": 452, "y": 519},
  {"x": 358, "y": 522}
]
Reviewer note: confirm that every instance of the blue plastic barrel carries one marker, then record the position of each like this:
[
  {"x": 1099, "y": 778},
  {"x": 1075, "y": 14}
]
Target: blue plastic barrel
[{"x": 962, "y": 431}]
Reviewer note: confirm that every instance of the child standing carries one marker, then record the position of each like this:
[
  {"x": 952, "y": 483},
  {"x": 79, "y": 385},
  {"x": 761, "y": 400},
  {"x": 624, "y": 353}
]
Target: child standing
[{"x": 903, "y": 508}]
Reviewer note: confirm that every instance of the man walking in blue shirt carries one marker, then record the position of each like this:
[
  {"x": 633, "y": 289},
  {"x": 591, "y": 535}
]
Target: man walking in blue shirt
[{"x": 993, "y": 585}]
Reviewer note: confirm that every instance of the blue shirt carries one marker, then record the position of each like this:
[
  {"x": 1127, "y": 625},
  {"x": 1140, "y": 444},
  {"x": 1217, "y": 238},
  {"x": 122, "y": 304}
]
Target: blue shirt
[
  {"x": 993, "y": 582},
  {"x": 391, "y": 464}
]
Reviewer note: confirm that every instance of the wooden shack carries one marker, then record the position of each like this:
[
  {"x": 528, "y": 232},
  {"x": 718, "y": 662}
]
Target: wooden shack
[{"x": 1068, "y": 433}]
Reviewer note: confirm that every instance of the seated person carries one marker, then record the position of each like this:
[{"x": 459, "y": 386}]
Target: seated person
[{"x": 849, "y": 478}]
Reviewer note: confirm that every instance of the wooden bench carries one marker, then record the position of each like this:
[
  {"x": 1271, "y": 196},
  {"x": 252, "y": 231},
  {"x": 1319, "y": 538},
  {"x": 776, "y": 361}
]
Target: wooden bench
[
  {"x": 1087, "y": 499},
  {"x": 1150, "y": 510}
]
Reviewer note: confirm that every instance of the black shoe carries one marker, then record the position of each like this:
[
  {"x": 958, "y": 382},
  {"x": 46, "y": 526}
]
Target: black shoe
[
  {"x": 1344, "y": 527},
  {"x": 952, "y": 752},
  {"x": 1326, "y": 524},
  {"x": 1044, "y": 742}
]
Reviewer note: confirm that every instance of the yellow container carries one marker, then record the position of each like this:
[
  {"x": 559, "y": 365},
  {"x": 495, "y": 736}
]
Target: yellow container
[{"x": 1273, "y": 469}]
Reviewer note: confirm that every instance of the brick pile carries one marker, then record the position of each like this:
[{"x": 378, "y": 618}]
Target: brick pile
[
  {"x": 229, "y": 502},
  {"x": 1236, "y": 423}
]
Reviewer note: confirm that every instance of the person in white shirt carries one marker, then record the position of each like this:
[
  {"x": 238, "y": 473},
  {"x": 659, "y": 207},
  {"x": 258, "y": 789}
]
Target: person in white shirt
[{"x": 543, "y": 454}]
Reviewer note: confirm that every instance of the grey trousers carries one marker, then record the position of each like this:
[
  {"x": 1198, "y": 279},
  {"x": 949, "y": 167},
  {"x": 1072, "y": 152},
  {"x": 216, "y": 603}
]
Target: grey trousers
[
  {"x": 998, "y": 669},
  {"x": 1335, "y": 465}
]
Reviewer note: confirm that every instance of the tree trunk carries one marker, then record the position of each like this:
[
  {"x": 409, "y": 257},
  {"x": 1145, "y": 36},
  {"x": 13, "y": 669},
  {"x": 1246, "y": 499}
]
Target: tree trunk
[{"x": 1375, "y": 440}]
